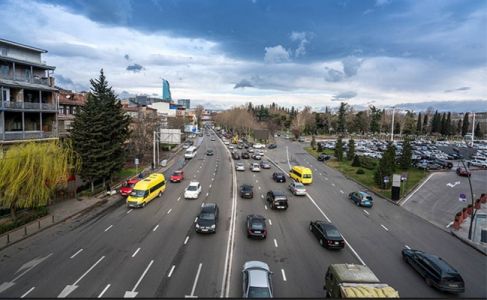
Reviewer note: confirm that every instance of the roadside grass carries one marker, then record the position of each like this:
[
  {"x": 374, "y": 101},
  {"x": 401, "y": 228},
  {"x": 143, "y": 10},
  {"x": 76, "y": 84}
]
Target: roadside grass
[
  {"x": 367, "y": 178},
  {"x": 125, "y": 173}
]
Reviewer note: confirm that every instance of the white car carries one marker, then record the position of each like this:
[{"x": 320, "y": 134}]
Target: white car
[
  {"x": 250, "y": 150},
  {"x": 254, "y": 167},
  {"x": 193, "y": 190},
  {"x": 478, "y": 163},
  {"x": 226, "y": 142},
  {"x": 259, "y": 146},
  {"x": 297, "y": 188},
  {"x": 231, "y": 147},
  {"x": 240, "y": 167}
]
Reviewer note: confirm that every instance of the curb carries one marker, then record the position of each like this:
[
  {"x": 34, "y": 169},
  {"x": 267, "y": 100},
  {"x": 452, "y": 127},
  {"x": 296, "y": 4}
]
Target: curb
[{"x": 479, "y": 248}]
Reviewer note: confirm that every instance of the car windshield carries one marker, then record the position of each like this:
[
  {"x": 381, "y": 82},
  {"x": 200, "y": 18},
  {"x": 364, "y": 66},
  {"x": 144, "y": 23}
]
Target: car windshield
[
  {"x": 192, "y": 188},
  {"x": 258, "y": 292},
  {"x": 207, "y": 216},
  {"x": 177, "y": 173},
  {"x": 306, "y": 175},
  {"x": 299, "y": 186},
  {"x": 257, "y": 224},
  {"x": 131, "y": 185},
  {"x": 368, "y": 198},
  {"x": 332, "y": 232},
  {"x": 137, "y": 193}
]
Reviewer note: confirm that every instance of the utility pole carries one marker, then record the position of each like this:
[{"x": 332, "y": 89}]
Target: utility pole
[
  {"x": 392, "y": 125},
  {"x": 154, "y": 148},
  {"x": 473, "y": 127}
]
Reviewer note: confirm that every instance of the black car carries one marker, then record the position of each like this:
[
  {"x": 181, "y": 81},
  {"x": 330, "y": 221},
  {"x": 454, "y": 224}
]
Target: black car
[
  {"x": 279, "y": 177},
  {"x": 245, "y": 155},
  {"x": 272, "y": 146},
  {"x": 256, "y": 227},
  {"x": 235, "y": 155},
  {"x": 207, "y": 219},
  {"x": 209, "y": 152},
  {"x": 443, "y": 163},
  {"x": 246, "y": 191},
  {"x": 323, "y": 157},
  {"x": 277, "y": 200},
  {"x": 435, "y": 271},
  {"x": 327, "y": 234}
]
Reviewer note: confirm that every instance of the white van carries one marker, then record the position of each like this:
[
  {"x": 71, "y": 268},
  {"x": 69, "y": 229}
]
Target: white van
[{"x": 190, "y": 152}]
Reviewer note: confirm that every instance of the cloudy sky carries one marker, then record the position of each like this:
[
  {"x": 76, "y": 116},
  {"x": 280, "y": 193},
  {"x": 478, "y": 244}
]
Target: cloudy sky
[{"x": 318, "y": 53}]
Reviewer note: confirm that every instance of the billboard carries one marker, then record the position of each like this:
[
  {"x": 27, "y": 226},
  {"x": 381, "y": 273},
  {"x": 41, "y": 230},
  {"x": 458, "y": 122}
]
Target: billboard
[
  {"x": 191, "y": 128},
  {"x": 170, "y": 136}
]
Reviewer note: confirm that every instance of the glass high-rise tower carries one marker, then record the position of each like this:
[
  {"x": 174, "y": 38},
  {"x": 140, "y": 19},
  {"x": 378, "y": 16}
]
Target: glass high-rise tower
[{"x": 166, "y": 90}]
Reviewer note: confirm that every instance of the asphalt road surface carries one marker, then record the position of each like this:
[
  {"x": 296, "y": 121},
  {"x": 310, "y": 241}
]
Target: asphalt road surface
[{"x": 155, "y": 252}]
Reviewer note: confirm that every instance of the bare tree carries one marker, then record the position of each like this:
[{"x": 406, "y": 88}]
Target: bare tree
[
  {"x": 143, "y": 127},
  {"x": 198, "y": 111}
]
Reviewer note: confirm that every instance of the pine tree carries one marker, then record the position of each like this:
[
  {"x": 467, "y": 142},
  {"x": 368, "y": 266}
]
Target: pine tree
[
  {"x": 339, "y": 149},
  {"x": 478, "y": 131},
  {"x": 99, "y": 131},
  {"x": 386, "y": 165},
  {"x": 351, "y": 149},
  {"x": 407, "y": 152},
  {"x": 425, "y": 124},
  {"x": 443, "y": 124},
  {"x": 458, "y": 130},
  {"x": 465, "y": 124},
  {"x": 341, "y": 126},
  {"x": 435, "y": 123},
  {"x": 419, "y": 130},
  {"x": 376, "y": 115},
  {"x": 448, "y": 129}
]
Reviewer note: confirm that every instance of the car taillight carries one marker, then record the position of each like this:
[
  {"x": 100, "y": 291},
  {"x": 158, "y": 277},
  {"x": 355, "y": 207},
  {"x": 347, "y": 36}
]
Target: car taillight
[{"x": 330, "y": 242}]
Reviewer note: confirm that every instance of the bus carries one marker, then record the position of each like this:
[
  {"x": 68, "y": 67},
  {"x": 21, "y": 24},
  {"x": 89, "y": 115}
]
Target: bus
[
  {"x": 190, "y": 152},
  {"x": 301, "y": 174},
  {"x": 146, "y": 190}
]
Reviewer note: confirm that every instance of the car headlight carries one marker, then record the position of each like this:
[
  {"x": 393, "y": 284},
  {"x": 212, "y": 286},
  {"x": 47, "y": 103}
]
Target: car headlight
[
  {"x": 197, "y": 225},
  {"x": 213, "y": 226}
]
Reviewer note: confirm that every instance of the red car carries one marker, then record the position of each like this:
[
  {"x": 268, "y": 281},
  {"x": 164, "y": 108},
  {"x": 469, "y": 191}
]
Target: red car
[
  {"x": 127, "y": 187},
  {"x": 463, "y": 172},
  {"x": 177, "y": 176}
]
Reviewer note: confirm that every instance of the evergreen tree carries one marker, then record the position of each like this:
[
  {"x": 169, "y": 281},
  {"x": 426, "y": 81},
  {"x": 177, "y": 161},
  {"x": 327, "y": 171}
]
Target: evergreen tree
[
  {"x": 458, "y": 130},
  {"x": 313, "y": 142},
  {"x": 478, "y": 131},
  {"x": 351, "y": 149},
  {"x": 376, "y": 115},
  {"x": 425, "y": 124},
  {"x": 341, "y": 118},
  {"x": 339, "y": 149},
  {"x": 419, "y": 130},
  {"x": 386, "y": 165},
  {"x": 407, "y": 152},
  {"x": 99, "y": 132},
  {"x": 448, "y": 130},
  {"x": 465, "y": 124},
  {"x": 356, "y": 161},
  {"x": 435, "y": 123},
  {"x": 443, "y": 124}
]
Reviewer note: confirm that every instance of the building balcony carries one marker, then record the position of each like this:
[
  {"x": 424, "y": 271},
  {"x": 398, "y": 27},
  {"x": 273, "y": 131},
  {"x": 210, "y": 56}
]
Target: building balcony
[
  {"x": 27, "y": 135},
  {"x": 47, "y": 81},
  {"x": 28, "y": 106}
]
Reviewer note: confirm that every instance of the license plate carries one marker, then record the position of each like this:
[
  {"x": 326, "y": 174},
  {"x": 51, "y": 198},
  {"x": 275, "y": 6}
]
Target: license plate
[
  {"x": 281, "y": 207},
  {"x": 204, "y": 229},
  {"x": 336, "y": 243},
  {"x": 257, "y": 231},
  {"x": 453, "y": 285}
]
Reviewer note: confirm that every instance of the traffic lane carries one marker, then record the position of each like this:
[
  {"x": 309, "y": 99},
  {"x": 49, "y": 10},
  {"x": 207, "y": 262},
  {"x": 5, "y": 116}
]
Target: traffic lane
[
  {"x": 94, "y": 232},
  {"x": 438, "y": 199},
  {"x": 407, "y": 228}
]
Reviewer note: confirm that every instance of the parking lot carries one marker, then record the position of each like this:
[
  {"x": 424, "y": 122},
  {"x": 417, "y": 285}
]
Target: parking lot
[{"x": 437, "y": 200}]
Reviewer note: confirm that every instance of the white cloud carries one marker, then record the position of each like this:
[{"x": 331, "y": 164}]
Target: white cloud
[
  {"x": 275, "y": 55},
  {"x": 303, "y": 39},
  {"x": 382, "y": 2}
]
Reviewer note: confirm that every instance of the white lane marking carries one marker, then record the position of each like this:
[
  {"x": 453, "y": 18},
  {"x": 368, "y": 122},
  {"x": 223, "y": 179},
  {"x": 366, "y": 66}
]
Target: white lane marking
[
  {"x": 287, "y": 156},
  {"x": 196, "y": 280},
  {"x": 270, "y": 222},
  {"x": 170, "y": 271},
  {"x": 407, "y": 247},
  {"x": 366, "y": 212},
  {"x": 210, "y": 186},
  {"x": 321, "y": 174},
  {"x": 417, "y": 189},
  {"x": 70, "y": 288},
  {"x": 283, "y": 275},
  {"x": 195, "y": 219},
  {"x": 133, "y": 293},
  {"x": 77, "y": 252},
  {"x": 155, "y": 228},
  {"x": 256, "y": 181},
  {"x": 449, "y": 224},
  {"x": 333, "y": 184},
  {"x": 108, "y": 228},
  {"x": 169, "y": 211},
  {"x": 275, "y": 243},
  {"x": 186, "y": 240},
  {"x": 129, "y": 211},
  {"x": 254, "y": 175},
  {"x": 262, "y": 196},
  {"x": 385, "y": 228},
  {"x": 27, "y": 293},
  {"x": 326, "y": 178},
  {"x": 104, "y": 290},
  {"x": 342, "y": 192},
  {"x": 136, "y": 251},
  {"x": 259, "y": 187},
  {"x": 213, "y": 179},
  {"x": 179, "y": 198},
  {"x": 207, "y": 194},
  {"x": 265, "y": 206}
]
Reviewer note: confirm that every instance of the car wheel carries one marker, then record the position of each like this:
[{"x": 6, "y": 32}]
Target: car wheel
[
  {"x": 160, "y": 194},
  {"x": 321, "y": 243},
  {"x": 357, "y": 203},
  {"x": 310, "y": 228}
]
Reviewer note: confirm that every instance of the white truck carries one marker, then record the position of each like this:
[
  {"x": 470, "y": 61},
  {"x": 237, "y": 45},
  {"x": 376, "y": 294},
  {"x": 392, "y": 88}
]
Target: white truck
[{"x": 355, "y": 281}]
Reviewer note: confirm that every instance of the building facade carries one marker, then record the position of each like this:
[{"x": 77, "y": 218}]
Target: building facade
[
  {"x": 166, "y": 91},
  {"x": 185, "y": 102},
  {"x": 69, "y": 105},
  {"x": 28, "y": 97}
]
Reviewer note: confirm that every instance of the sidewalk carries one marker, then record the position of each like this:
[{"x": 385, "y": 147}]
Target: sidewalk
[
  {"x": 480, "y": 222},
  {"x": 64, "y": 210}
]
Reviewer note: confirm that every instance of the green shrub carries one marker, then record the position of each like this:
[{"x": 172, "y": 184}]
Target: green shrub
[
  {"x": 356, "y": 161},
  {"x": 25, "y": 217},
  {"x": 368, "y": 163},
  {"x": 360, "y": 171}
]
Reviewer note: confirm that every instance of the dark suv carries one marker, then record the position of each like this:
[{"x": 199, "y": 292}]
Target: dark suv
[
  {"x": 235, "y": 155},
  {"x": 279, "y": 177},
  {"x": 246, "y": 191},
  {"x": 245, "y": 155},
  {"x": 277, "y": 200},
  {"x": 207, "y": 219}
]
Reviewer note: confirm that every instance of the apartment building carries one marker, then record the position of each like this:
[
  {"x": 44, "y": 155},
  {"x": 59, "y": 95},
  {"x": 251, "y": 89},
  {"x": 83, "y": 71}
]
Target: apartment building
[
  {"x": 69, "y": 105},
  {"x": 28, "y": 97}
]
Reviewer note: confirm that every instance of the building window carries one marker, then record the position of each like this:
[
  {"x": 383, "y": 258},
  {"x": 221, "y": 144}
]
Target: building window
[
  {"x": 3, "y": 50},
  {"x": 71, "y": 110},
  {"x": 6, "y": 94}
]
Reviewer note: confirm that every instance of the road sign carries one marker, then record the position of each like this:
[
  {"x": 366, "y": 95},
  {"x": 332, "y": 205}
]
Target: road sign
[
  {"x": 386, "y": 179},
  {"x": 136, "y": 161}
]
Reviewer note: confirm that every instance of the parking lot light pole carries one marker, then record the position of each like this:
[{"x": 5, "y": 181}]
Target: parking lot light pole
[
  {"x": 473, "y": 206},
  {"x": 392, "y": 125}
]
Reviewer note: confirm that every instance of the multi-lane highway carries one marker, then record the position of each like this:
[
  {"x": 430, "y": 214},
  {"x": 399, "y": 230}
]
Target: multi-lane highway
[{"x": 155, "y": 252}]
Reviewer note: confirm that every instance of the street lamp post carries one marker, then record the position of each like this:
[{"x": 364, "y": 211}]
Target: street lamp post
[
  {"x": 473, "y": 206},
  {"x": 392, "y": 125}
]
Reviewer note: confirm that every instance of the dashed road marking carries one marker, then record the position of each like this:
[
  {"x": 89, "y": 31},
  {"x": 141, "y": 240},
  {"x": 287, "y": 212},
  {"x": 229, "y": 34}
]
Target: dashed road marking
[
  {"x": 265, "y": 206},
  {"x": 108, "y": 228},
  {"x": 169, "y": 211},
  {"x": 172, "y": 270},
  {"x": 77, "y": 252},
  {"x": 155, "y": 228},
  {"x": 333, "y": 184},
  {"x": 179, "y": 198},
  {"x": 270, "y": 222},
  {"x": 341, "y": 192},
  {"x": 407, "y": 247},
  {"x": 326, "y": 178},
  {"x": 449, "y": 224},
  {"x": 262, "y": 196},
  {"x": 275, "y": 243},
  {"x": 195, "y": 219},
  {"x": 186, "y": 240},
  {"x": 136, "y": 251},
  {"x": 196, "y": 279},
  {"x": 366, "y": 212},
  {"x": 210, "y": 186},
  {"x": 207, "y": 194},
  {"x": 385, "y": 228},
  {"x": 28, "y": 292},
  {"x": 283, "y": 275},
  {"x": 259, "y": 187},
  {"x": 129, "y": 211}
]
